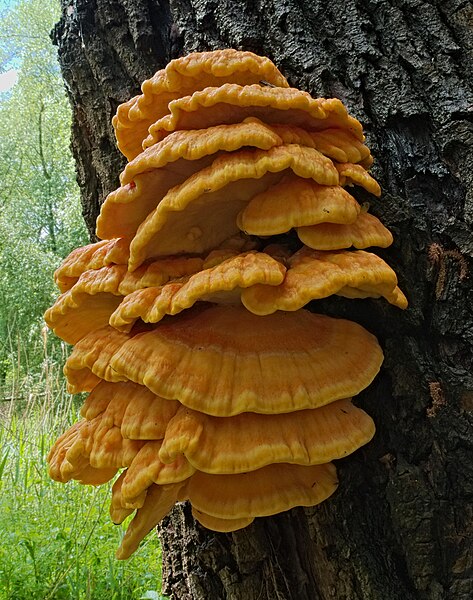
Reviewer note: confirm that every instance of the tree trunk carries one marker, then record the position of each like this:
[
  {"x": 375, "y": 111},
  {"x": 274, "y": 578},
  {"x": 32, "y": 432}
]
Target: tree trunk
[{"x": 400, "y": 526}]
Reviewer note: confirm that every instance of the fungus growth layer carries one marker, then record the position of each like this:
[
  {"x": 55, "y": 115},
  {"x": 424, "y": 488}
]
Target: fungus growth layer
[{"x": 208, "y": 379}]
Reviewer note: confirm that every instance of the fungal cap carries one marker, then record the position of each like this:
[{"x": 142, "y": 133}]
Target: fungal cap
[
  {"x": 92, "y": 256},
  {"x": 184, "y": 76},
  {"x": 232, "y": 103},
  {"x": 147, "y": 415},
  {"x": 224, "y": 360},
  {"x": 147, "y": 179},
  {"x": 88, "y": 363},
  {"x": 119, "y": 511},
  {"x": 75, "y": 315},
  {"x": 104, "y": 445},
  {"x": 241, "y": 497},
  {"x": 221, "y": 284},
  {"x": 315, "y": 274},
  {"x": 267, "y": 491},
  {"x": 159, "y": 272},
  {"x": 146, "y": 469},
  {"x": 366, "y": 231},
  {"x": 157, "y": 504},
  {"x": 99, "y": 398},
  {"x": 194, "y": 144},
  {"x": 89, "y": 304},
  {"x": 201, "y": 213},
  {"x": 140, "y": 414},
  {"x": 338, "y": 144},
  {"x": 249, "y": 441},
  {"x": 296, "y": 202},
  {"x": 221, "y": 525},
  {"x": 69, "y": 457},
  {"x": 356, "y": 175}
]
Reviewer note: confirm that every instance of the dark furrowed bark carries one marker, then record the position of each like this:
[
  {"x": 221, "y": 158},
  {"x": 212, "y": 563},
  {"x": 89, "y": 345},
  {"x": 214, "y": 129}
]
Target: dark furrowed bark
[
  {"x": 106, "y": 48},
  {"x": 401, "y": 523}
]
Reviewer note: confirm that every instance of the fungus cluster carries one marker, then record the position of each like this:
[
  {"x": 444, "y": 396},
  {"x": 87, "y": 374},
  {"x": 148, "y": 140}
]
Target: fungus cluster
[{"x": 207, "y": 379}]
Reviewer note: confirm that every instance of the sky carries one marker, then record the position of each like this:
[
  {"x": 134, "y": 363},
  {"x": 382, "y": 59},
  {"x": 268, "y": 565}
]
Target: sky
[
  {"x": 7, "y": 4},
  {"x": 8, "y": 79}
]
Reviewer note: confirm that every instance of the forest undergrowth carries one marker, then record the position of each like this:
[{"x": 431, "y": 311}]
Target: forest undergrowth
[{"x": 57, "y": 540}]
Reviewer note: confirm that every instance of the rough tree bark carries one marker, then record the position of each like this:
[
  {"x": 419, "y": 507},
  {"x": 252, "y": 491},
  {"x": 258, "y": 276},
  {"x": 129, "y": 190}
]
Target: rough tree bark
[{"x": 400, "y": 525}]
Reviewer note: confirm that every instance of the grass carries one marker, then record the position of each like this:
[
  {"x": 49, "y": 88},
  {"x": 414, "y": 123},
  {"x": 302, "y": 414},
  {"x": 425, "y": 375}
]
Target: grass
[{"x": 57, "y": 541}]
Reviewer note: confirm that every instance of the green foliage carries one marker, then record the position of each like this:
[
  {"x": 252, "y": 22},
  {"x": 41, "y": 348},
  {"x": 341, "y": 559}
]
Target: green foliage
[
  {"x": 57, "y": 540},
  {"x": 40, "y": 220}
]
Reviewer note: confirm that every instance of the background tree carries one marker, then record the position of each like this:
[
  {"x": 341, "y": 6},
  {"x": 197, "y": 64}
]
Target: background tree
[
  {"x": 400, "y": 525},
  {"x": 39, "y": 200}
]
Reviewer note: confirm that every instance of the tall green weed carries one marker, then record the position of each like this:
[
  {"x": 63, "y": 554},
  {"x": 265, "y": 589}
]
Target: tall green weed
[{"x": 57, "y": 541}]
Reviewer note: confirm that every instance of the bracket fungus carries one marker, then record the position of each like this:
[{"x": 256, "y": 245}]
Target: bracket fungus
[
  {"x": 367, "y": 230},
  {"x": 224, "y": 360},
  {"x": 92, "y": 299},
  {"x": 208, "y": 379},
  {"x": 232, "y": 103},
  {"x": 148, "y": 178},
  {"x": 221, "y": 283},
  {"x": 297, "y": 202},
  {"x": 181, "y": 77},
  {"x": 201, "y": 213}
]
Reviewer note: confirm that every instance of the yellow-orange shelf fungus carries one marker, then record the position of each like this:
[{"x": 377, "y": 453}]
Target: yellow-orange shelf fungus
[
  {"x": 89, "y": 361},
  {"x": 249, "y": 441},
  {"x": 220, "y": 284},
  {"x": 140, "y": 414},
  {"x": 208, "y": 382},
  {"x": 314, "y": 274},
  {"x": 184, "y": 76},
  {"x": 93, "y": 256},
  {"x": 90, "y": 302},
  {"x": 232, "y": 103},
  {"x": 159, "y": 272},
  {"x": 157, "y": 504},
  {"x": 105, "y": 446},
  {"x": 119, "y": 509},
  {"x": 296, "y": 202},
  {"x": 99, "y": 398},
  {"x": 150, "y": 305},
  {"x": 147, "y": 416},
  {"x": 218, "y": 256},
  {"x": 201, "y": 213},
  {"x": 238, "y": 498},
  {"x": 60, "y": 469},
  {"x": 231, "y": 247},
  {"x": 74, "y": 316},
  {"x": 148, "y": 178},
  {"x": 146, "y": 469},
  {"x": 267, "y": 491},
  {"x": 91, "y": 452},
  {"x": 87, "y": 306},
  {"x": 337, "y": 144},
  {"x": 224, "y": 360},
  {"x": 367, "y": 230},
  {"x": 221, "y": 525},
  {"x": 356, "y": 175}
]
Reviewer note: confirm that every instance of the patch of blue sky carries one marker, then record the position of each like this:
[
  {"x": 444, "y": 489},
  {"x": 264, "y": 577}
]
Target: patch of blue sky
[{"x": 7, "y": 53}]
